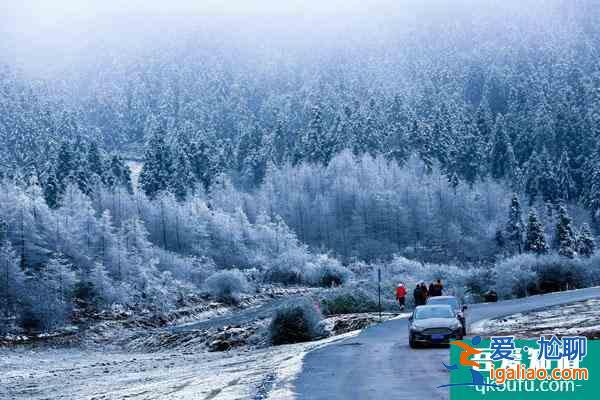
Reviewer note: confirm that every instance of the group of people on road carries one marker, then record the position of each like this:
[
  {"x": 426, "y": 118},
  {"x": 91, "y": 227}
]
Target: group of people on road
[{"x": 421, "y": 292}]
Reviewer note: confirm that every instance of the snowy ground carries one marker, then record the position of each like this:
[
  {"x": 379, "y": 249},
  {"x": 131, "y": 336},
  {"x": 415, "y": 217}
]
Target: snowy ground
[
  {"x": 581, "y": 318},
  {"x": 76, "y": 374},
  {"x": 138, "y": 358}
]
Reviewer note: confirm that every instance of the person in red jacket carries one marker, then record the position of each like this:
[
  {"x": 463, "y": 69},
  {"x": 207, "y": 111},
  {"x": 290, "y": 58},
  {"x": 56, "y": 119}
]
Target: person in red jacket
[{"x": 401, "y": 295}]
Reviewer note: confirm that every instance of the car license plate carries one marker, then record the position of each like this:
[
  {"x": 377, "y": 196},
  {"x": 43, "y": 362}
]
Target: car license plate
[{"x": 438, "y": 337}]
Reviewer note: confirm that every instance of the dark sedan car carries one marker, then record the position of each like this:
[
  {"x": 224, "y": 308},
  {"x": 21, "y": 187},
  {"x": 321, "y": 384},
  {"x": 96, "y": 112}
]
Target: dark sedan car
[
  {"x": 453, "y": 302},
  {"x": 433, "y": 324}
]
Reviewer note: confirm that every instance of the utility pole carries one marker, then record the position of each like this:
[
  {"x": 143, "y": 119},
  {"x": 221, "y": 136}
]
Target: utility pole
[{"x": 379, "y": 289}]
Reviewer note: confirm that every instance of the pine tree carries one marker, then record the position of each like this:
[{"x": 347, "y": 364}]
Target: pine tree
[
  {"x": 592, "y": 196},
  {"x": 119, "y": 174},
  {"x": 564, "y": 181},
  {"x": 514, "y": 226},
  {"x": 252, "y": 156},
  {"x": 183, "y": 181},
  {"x": 533, "y": 171},
  {"x": 313, "y": 146},
  {"x": 368, "y": 139},
  {"x": 585, "y": 241},
  {"x": 204, "y": 159},
  {"x": 536, "y": 238},
  {"x": 52, "y": 192},
  {"x": 565, "y": 239},
  {"x": 65, "y": 165},
  {"x": 95, "y": 165},
  {"x": 502, "y": 158},
  {"x": 102, "y": 285},
  {"x": 469, "y": 154},
  {"x": 11, "y": 280},
  {"x": 547, "y": 178},
  {"x": 158, "y": 165},
  {"x": 279, "y": 144}
]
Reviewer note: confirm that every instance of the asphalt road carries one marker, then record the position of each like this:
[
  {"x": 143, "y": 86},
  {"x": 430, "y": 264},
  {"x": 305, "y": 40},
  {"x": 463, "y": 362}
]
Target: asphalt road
[{"x": 378, "y": 364}]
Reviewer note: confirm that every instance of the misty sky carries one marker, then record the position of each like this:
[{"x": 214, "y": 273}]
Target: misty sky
[{"x": 40, "y": 33}]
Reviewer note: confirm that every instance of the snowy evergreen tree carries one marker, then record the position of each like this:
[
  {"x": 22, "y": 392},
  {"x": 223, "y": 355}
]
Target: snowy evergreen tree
[
  {"x": 11, "y": 282},
  {"x": 533, "y": 171},
  {"x": 52, "y": 192},
  {"x": 514, "y": 226},
  {"x": 502, "y": 158},
  {"x": 585, "y": 242},
  {"x": 314, "y": 140},
  {"x": 565, "y": 238},
  {"x": 95, "y": 165},
  {"x": 592, "y": 195},
  {"x": 183, "y": 180},
  {"x": 158, "y": 165},
  {"x": 564, "y": 181},
  {"x": 536, "y": 238},
  {"x": 118, "y": 174},
  {"x": 50, "y": 294}
]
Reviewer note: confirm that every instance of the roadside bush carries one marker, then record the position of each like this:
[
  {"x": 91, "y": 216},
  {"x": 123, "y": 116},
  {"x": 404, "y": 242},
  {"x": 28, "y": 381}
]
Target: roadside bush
[
  {"x": 289, "y": 268},
  {"x": 515, "y": 276},
  {"x": 346, "y": 301},
  {"x": 527, "y": 274},
  {"x": 329, "y": 272},
  {"x": 295, "y": 323},
  {"x": 226, "y": 286}
]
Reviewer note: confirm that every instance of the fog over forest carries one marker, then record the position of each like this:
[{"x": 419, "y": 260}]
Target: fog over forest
[{"x": 293, "y": 143}]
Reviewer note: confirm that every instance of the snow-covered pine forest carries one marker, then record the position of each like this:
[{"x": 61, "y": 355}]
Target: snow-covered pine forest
[{"x": 440, "y": 145}]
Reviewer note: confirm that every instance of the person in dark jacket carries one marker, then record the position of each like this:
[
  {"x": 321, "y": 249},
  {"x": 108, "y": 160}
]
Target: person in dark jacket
[
  {"x": 436, "y": 288},
  {"x": 418, "y": 295},
  {"x": 432, "y": 289},
  {"x": 424, "y": 293},
  {"x": 439, "y": 287}
]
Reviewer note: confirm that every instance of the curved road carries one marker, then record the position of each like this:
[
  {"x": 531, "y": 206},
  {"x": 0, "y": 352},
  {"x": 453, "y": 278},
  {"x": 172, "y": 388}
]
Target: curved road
[{"x": 378, "y": 364}]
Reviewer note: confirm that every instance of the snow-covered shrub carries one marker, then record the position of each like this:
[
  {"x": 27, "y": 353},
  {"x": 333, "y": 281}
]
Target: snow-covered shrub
[
  {"x": 525, "y": 274},
  {"x": 11, "y": 284},
  {"x": 592, "y": 270},
  {"x": 295, "y": 323},
  {"x": 515, "y": 276},
  {"x": 328, "y": 272},
  {"x": 49, "y": 295},
  {"x": 289, "y": 268},
  {"x": 227, "y": 286},
  {"x": 348, "y": 301}
]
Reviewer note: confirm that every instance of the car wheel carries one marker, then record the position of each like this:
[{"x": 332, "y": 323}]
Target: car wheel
[{"x": 411, "y": 342}]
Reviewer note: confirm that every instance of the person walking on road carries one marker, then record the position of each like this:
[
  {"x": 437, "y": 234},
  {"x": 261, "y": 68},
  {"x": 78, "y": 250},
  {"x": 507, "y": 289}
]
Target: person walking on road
[
  {"x": 401, "y": 295},
  {"x": 418, "y": 295},
  {"x": 436, "y": 289},
  {"x": 424, "y": 293}
]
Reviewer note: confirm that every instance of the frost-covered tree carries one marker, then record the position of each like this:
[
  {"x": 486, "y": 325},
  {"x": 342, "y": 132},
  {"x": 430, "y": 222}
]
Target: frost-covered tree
[
  {"x": 11, "y": 281},
  {"x": 183, "y": 181},
  {"x": 502, "y": 157},
  {"x": 158, "y": 165},
  {"x": 535, "y": 238},
  {"x": 586, "y": 244},
  {"x": 95, "y": 165},
  {"x": 118, "y": 174},
  {"x": 564, "y": 180},
  {"x": 565, "y": 238},
  {"x": 513, "y": 232},
  {"x": 50, "y": 294}
]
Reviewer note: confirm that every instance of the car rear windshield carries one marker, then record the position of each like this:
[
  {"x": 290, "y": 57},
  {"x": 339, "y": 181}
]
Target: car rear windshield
[
  {"x": 433, "y": 312},
  {"x": 451, "y": 301}
]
